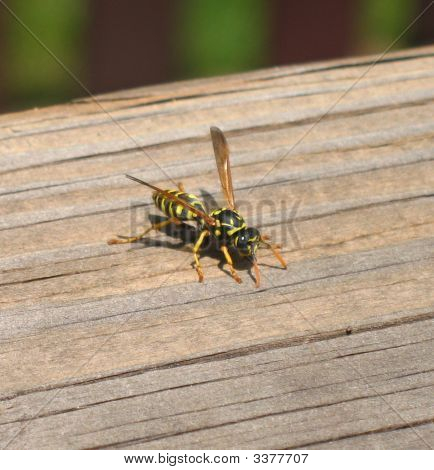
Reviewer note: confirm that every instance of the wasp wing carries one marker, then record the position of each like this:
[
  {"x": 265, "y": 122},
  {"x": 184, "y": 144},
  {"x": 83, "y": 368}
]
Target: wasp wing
[
  {"x": 209, "y": 220},
  {"x": 221, "y": 152}
]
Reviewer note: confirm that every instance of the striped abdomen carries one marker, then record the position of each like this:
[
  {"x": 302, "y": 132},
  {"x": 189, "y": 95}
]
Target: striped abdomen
[{"x": 172, "y": 209}]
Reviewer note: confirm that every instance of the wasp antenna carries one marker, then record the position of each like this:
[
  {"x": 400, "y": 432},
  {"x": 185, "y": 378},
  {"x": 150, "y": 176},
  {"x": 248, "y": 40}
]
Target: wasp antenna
[{"x": 137, "y": 180}]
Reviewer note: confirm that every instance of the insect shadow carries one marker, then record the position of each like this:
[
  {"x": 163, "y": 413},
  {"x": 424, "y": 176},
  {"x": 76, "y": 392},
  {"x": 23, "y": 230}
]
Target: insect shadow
[
  {"x": 187, "y": 235},
  {"x": 209, "y": 200}
]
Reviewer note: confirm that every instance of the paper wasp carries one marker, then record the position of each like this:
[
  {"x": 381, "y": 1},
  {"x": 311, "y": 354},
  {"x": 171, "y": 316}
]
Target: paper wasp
[{"x": 225, "y": 225}]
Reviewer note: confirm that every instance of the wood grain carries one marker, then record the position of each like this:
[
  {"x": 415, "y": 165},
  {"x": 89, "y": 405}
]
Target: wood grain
[{"x": 119, "y": 346}]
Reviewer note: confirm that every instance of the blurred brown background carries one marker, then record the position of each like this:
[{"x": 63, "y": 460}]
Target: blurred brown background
[{"x": 112, "y": 44}]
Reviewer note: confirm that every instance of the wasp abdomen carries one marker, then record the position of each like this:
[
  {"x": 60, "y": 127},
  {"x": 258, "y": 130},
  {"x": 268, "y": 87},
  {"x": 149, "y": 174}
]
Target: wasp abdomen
[{"x": 172, "y": 209}]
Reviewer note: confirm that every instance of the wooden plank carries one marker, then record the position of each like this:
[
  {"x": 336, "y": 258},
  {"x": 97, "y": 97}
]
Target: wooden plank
[
  {"x": 119, "y": 346},
  {"x": 282, "y": 397}
]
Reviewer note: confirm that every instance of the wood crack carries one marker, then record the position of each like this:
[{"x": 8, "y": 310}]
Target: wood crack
[
  {"x": 329, "y": 68},
  {"x": 383, "y": 429},
  {"x": 143, "y": 440}
]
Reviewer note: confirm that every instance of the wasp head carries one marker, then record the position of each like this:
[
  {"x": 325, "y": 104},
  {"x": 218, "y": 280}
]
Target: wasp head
[{"x": 247, "y": 241}]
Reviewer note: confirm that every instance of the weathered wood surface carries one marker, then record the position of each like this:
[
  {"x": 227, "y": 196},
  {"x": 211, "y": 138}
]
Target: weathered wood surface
[{"x": 119, "y": 346}]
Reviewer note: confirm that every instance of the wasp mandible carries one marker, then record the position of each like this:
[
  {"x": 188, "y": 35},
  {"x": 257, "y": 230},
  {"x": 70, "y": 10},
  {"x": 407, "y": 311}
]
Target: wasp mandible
[{"x": 225, "y": 225}]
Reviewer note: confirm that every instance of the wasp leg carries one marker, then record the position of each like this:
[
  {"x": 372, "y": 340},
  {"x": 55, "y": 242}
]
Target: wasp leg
[
  {"x": 196, "y": 248},
  {"x": 257, "y": 274},
  {"x": 274, "y": 249},
  {"x": 181, "y": 187},
  {"x": 234, "y": 274},
  {"x": 117, "y": 241}
]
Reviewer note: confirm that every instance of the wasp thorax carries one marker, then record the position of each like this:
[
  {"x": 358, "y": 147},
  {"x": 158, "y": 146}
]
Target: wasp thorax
[{"x": 247, "y": 241}]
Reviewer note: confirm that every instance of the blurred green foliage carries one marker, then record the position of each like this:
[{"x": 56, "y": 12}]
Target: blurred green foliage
[
  {"x": 210, "y": 37},
  {"x": 217, "y": 37},
  {"x": 383, "y": 21},
  {"x": 32, "y": 76}
]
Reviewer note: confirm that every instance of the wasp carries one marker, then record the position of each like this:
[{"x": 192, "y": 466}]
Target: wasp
[{"x": 225, "y": 225}]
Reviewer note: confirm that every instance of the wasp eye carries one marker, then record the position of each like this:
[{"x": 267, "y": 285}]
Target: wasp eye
[
  {"x": 242, "y": 241},
  {"x": 253, "y": 234}
]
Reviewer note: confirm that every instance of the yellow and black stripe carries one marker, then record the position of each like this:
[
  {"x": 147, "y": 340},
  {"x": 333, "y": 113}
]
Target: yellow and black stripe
[
  {"x": 172, "y": 209},
  {"x": 228, "y": 223}
]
